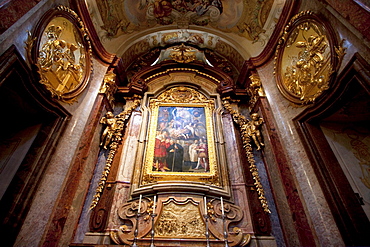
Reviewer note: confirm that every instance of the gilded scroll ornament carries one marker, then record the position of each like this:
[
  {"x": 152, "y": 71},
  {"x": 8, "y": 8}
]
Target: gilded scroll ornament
[
  {"x": 254, "y": 90},
  {"x": 305, "y": 59},
  {"x": 250, "y": 131},
  {"x": 62, "y": 54},
  {"x": 183, "y": 54},
  {"x": 110, "y": 139},
  {"x": 109, "y": 86},
  {"x": 220, "y": 223},
  {"x": 181, "y": 95},
  {"x": 129, "y": 213}
]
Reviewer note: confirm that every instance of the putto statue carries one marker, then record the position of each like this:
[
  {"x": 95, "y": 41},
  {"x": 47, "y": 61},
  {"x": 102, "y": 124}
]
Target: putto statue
[
  {"x": 253, "y": 129},
  {"x": 110, "y": 121}
]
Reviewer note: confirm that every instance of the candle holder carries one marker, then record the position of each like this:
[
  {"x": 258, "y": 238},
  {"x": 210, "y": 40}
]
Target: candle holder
[
  {"x": 134, "y": 244},
  {"x": 206, "y": 217},
  {"x": 153, "y": 215},
  {"x": 225, "y": 230}
]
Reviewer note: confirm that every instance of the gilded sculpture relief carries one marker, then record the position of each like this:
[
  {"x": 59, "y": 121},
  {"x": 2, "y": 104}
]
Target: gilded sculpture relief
[
  {"x": 61, "y": 52},
  {"x": 225, "y": 56},
  {"x": 183, "y": 54},
  {"x": 255, "y": 90},
  {"x": 250, "y": 130},
  {"x": 305, "y": 60},
  {"x": 61, "y": 63},
  {"x": 109, "y": 87},
  {"x": 180, "y": 221},
  {"x": 113, "y": 131}
]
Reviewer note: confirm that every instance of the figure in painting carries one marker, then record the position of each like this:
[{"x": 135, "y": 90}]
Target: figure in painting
[
  {"x": 161, "y": 10},
  {"x": 202, "y": 156},
  {"x": 254, "y": 130},
  {"x": 175, "y": 154},
  {"x": 193, "y": 153},
  {"x": 180, "y": 143},
  {"x": 198, "y": 12},
  {"x": 187, "y": 163},
  {"x": 160, "y": 152}
]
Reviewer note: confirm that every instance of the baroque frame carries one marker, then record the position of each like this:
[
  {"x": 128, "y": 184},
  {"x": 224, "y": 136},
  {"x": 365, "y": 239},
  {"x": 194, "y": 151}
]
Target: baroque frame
[
  {"x": 60, "y": 49},
  {"x": 307, "y": 58},
  {"x": 187, "y": 99}
]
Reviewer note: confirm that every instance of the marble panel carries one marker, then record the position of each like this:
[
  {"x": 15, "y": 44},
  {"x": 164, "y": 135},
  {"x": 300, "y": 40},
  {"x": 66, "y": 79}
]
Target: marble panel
[
  {"x": 274, "y": 217},
  {"x": 233, "y": 154},
  {"x": 121, "y": 196},
  {"x": 130, "y": 145}
]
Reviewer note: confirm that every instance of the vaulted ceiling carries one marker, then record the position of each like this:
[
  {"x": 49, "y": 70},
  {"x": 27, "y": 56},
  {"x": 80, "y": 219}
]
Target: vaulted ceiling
[{"x": 233, "y": 30}]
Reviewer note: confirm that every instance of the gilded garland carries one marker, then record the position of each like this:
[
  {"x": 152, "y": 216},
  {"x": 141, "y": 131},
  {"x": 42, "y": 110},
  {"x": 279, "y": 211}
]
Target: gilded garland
[
  {"x": 305, "y": 59},
  {"x": 250, "y": 131},
  {"x": 110, "y": 139},
  {"x": 61, "y": 51}
]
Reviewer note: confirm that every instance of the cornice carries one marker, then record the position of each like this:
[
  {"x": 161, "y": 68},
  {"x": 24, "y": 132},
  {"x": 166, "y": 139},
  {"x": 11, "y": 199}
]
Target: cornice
[
  {"x": 104, "y": 56},
  {"x": 290, "y": 8}
]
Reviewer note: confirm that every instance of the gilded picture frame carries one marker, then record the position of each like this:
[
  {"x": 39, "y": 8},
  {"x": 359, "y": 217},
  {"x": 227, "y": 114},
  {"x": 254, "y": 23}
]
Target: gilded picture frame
[
  {"x": 180, "y": 142},
  {"x": 60, "y": 49}
]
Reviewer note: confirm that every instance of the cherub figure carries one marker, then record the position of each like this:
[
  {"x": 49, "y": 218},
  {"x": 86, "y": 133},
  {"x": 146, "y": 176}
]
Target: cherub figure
[
  {"x": 254, "y": 129},
  {"x": 110, "y": 121}
]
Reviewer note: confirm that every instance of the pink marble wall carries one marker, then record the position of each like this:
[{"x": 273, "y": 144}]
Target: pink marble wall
[
  {"x": 308, "y": 188},
  {"x": 41, "y": 217}
]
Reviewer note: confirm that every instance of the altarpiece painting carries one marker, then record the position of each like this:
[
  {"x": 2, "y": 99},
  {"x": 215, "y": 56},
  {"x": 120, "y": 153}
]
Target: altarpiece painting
[{"x": 181, "y": 144}]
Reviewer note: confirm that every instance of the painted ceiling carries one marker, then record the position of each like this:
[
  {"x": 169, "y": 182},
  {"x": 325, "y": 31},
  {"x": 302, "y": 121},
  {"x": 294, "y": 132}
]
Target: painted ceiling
[{"x": 235, "y": 29}]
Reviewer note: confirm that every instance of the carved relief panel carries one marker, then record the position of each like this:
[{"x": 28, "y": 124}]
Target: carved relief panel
[
  {"x": 192, "y": 219},
  {"x": 60, "y": 49},
  {"x": 306, "y": 58}
]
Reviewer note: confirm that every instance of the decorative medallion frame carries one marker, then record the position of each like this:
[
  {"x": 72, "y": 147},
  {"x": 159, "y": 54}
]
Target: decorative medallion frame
[
  {"x": 60, "y": 49},
  {"x": 186, "y": 101},
  {"x": 307, "y": 58}
]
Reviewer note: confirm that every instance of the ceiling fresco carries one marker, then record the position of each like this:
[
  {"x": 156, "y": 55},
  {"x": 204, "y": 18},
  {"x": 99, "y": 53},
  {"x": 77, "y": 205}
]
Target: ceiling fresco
[
  {"x": 245, "y": 18},
  {"x": 243, "y": 24}
]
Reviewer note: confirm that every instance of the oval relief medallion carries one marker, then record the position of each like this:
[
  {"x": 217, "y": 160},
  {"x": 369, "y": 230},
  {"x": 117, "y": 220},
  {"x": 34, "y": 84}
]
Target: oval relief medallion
[
  {"x": 62, "y": 54},
  {"x": 305, "y": 59}
]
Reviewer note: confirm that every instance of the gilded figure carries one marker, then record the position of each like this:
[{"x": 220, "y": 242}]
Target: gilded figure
[
  {"x": 110, "y": 121},
  {"x": 253, "y": 130},
  {"x": 57, "y": 62}
]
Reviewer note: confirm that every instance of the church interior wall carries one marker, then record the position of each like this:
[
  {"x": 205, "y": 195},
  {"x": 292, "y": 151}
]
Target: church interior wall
[
  {"x": 54, "y": 178},
  {"x": 77, "y": 161},
  {"x": 284, "y": 111}
]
